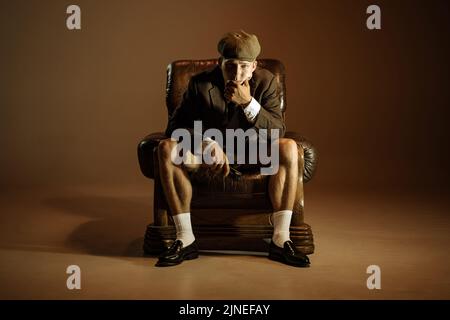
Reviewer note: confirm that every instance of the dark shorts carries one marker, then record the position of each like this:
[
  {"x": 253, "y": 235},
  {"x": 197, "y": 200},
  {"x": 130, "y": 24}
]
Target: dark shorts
[{"x": 249, "y": 162}]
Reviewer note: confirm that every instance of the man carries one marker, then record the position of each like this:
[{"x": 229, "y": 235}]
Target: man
[{"x": 235, "y": 94}]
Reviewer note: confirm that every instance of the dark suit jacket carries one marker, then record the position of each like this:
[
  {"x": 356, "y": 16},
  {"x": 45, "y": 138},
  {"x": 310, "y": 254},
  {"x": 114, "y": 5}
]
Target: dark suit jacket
[{"x": 204, "y": 100}]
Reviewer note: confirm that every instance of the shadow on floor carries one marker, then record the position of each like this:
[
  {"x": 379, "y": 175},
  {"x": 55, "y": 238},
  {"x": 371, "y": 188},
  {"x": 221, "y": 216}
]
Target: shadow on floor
[{"x": 117, "y": 228}]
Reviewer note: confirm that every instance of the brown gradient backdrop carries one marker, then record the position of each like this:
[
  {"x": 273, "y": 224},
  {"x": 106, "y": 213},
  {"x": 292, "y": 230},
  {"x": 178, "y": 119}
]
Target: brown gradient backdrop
[{"x": 74, "y": 104}]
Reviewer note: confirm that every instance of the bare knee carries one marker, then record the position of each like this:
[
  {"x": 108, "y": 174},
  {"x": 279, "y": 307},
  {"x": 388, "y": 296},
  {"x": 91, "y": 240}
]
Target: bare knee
[
  {"x": 288, "y": 151},
  {"x": 165, "y": 148}
]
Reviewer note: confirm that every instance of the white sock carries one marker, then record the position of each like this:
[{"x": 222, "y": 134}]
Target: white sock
[
  {"x": 184, "y": 228},
  {"x": 281, "y": 223}
]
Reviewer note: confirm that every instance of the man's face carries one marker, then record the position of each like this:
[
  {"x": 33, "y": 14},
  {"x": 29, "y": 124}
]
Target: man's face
[{"x": 238, "y": 70}]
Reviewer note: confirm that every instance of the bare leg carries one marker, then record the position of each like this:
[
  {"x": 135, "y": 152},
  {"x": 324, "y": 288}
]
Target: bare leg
[
  {"x": 174, "y": 179},
  {"x": 282, "y": 188},
  {"x": 178, "y": 192},
  {"x": 283, "y": 184}
]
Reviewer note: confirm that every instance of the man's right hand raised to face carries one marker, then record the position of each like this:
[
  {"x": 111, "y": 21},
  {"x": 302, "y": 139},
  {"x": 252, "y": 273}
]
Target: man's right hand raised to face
[{"x": 237, "y": 92}]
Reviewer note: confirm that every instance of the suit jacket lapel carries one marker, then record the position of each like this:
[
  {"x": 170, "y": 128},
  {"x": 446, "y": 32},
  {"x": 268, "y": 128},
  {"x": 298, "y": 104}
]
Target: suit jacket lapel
[
  {"x": 217, "y": 100},
  {"x": 216, "y": 90}
]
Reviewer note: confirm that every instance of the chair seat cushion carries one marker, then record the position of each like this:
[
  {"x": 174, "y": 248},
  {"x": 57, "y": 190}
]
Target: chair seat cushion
[{"x": 249, "y": 179}]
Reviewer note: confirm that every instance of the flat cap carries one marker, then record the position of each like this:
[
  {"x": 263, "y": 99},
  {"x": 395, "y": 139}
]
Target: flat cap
[{"x": 239, "y": 45}]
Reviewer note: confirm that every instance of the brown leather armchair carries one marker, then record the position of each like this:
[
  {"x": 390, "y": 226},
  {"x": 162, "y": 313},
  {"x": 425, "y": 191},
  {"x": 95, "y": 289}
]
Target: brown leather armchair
[{"x": 226, "y": 213}]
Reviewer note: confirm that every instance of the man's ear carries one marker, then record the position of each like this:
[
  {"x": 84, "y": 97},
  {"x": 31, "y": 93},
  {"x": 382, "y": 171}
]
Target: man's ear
[
  {"x": 255, "y": 63},
  {"x": 220, "y": 60}
]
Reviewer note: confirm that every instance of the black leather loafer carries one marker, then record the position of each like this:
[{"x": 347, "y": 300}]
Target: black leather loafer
[
  {"x": 288, "y": 255},
  {"x": 176, "y": 254}
]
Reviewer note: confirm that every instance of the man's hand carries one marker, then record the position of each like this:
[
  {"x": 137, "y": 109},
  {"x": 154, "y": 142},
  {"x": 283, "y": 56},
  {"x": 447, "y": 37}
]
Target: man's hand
[
  {"x": 220, "y": 163},
  {"x": 239, "y": 93}
]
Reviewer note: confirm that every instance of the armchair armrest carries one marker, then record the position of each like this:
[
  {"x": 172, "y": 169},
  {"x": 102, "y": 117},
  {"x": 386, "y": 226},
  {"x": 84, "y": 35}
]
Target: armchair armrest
[
  {"x": 309, "y": 152},
  {"x": 145, "y": 152}
]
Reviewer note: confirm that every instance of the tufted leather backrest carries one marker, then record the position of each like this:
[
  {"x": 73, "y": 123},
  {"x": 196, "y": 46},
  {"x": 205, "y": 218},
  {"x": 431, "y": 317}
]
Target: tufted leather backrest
[{"x": 180, "y": 72}]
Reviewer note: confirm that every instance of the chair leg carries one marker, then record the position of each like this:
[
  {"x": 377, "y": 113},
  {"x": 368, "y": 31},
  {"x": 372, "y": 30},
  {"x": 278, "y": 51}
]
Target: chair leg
[
  {"x": 249, "y": 237},
  {"x": 302, "y": 238}
]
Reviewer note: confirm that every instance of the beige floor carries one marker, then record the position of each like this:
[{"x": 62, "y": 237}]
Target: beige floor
[{"x": 100, "y": 229}]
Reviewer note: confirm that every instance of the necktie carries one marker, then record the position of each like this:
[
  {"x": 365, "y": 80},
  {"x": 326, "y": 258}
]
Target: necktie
[{"x": 232, "y": 116}]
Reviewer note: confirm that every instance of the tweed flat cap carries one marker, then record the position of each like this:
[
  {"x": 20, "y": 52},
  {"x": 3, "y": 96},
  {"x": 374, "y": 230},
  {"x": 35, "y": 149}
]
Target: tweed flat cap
[{"x": 239, "y": 45}]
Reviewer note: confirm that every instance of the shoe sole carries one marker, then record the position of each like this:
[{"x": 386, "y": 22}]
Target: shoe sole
[
  {"x": 278, "y": 258},
  {"x": 191, "y": 256}
]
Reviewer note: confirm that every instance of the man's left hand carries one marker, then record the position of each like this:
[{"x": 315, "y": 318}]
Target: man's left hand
[{"x": 239, "y": 93}]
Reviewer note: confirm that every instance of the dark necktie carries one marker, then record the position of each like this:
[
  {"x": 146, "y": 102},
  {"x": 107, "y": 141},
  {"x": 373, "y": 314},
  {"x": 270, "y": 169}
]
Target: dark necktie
[{"x": 232, "y": 116}]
